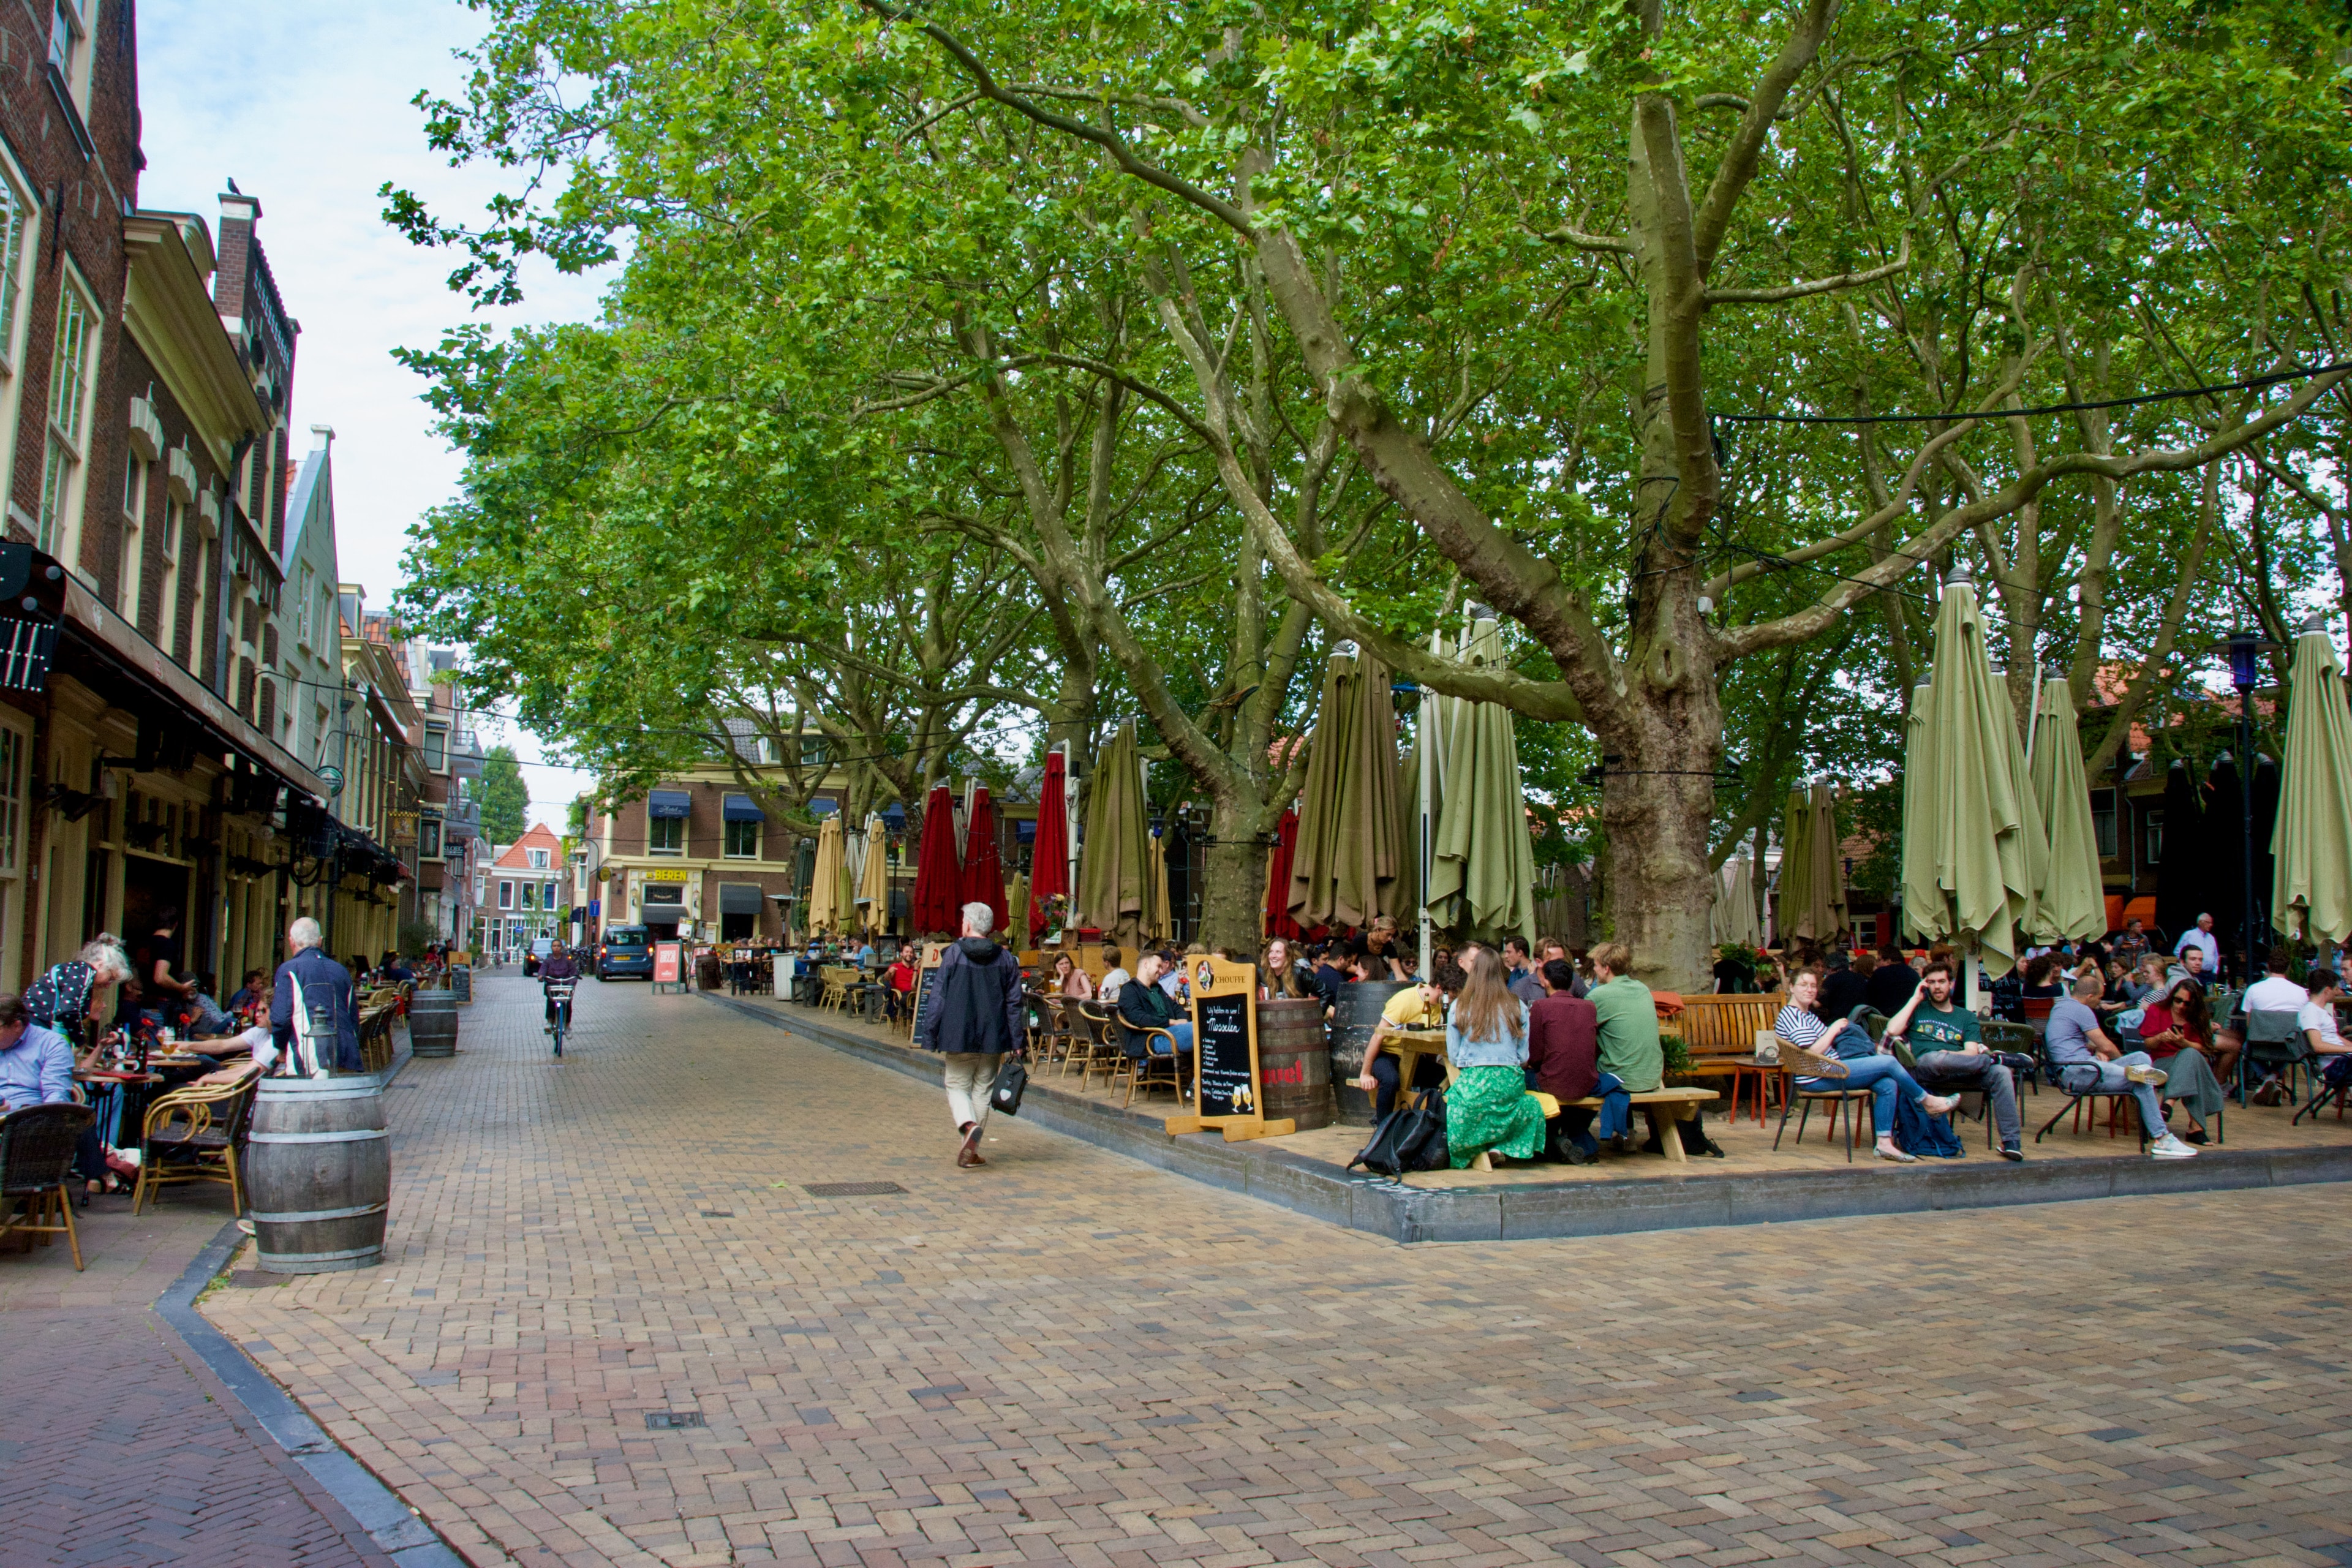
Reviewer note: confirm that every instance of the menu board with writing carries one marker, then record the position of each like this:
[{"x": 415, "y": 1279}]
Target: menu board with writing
[{"x": 1225, "y": 1087}]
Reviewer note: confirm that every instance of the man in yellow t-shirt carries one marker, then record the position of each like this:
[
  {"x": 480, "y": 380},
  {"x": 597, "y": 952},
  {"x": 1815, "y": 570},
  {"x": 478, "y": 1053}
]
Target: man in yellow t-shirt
[{"x": 1421, "y": 1006}]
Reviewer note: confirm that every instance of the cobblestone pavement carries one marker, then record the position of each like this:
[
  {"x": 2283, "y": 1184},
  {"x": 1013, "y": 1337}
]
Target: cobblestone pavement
[
  {"x": 1070, "y": 1358},
  {"x": 118, "y": 1448}
]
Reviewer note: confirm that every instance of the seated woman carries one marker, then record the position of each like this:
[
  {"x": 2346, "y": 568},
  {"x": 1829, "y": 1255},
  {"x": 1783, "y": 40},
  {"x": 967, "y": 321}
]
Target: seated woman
[
  {"x": 1070, "y": 981},
  {"x": 1488, "y": 1111},
  {"x": 1286, "y": 978},
  {"x": 2178, "y": 1032},
  {"x": 1865, "y": 1066},
  {"x": 2041, "y": 978},
  {"x": 1144, "y": 1006}
]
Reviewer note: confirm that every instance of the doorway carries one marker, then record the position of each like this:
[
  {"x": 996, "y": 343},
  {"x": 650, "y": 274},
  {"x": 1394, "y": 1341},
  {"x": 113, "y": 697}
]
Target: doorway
[{"x": 149, "y": 888}]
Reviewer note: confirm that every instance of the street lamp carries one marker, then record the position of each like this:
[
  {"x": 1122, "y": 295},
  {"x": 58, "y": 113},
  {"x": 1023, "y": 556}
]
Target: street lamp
[{"x": 2244, "y": 650}]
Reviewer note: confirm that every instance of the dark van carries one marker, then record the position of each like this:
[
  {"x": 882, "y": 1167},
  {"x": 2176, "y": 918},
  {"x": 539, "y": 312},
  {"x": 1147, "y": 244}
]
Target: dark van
[{"x": 625, "y": 951}]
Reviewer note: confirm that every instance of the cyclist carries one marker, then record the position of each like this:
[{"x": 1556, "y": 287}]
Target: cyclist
[{"x": 558, "y": 965}]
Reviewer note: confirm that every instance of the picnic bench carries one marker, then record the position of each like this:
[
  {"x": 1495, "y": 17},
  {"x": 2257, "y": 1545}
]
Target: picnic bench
[{"x": 1664, "y": 1107}]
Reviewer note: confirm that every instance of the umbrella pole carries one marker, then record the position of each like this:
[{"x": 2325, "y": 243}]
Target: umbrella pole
[{"x": 1425, "y": 743}]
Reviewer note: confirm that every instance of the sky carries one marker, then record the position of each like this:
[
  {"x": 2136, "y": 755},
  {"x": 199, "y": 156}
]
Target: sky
[{"x": 306, "y": 107}]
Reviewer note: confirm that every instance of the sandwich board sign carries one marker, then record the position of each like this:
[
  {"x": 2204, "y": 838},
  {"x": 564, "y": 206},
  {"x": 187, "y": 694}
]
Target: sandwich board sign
[
  {"x": 927, "y": 969},
  {"x": 1227, "y": 1092}
]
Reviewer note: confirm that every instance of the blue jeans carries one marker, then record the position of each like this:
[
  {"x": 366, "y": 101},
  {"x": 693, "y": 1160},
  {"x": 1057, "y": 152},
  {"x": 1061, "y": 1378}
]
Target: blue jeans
[
  {"x": 2111, "y": 1077},
  {"x": 1585, "y": 1129},
  {"x": 1182, "y": 1029},
  {"x": 1884, "y": 1077}
]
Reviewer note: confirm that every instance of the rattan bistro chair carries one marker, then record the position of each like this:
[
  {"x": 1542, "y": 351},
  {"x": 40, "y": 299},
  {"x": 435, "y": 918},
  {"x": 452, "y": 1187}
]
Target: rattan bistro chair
[
  {"x": 198, "y": 1134},
  {"x": 1796, "y": 1064},
  {"x": 36, "y": 1155}
]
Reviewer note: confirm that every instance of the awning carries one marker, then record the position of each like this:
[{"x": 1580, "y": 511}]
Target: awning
[
  {"x": 739, "y": 897},
  {"x": 118, "y": 643},
  {"x": 669, "y": 802},
  {"x": 824, "y": 805},
  {"x": 738, "y": 808}
]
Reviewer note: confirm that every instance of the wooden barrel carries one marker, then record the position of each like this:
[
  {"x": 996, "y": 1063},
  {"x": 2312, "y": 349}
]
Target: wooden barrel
[
  {"x": 1294, "y": 1062},
  {"x": 317, "y": 1169},
  {"x": 433, "y": 1024},
  {"x": 1358, "y": 1013}
]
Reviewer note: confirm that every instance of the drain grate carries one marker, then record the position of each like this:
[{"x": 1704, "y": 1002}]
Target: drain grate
[
  {"x": 672, "y": 1420},
  {"x": 718, "y": 1214},
  {"x": 851, "y": 1189}
]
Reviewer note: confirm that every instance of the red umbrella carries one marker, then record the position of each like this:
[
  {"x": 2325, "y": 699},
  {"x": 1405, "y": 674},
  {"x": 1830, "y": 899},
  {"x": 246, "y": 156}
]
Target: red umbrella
[
  {"x": 1278, "y": 878},
  {"x": 1049, "y": 856},
  {"x": 984, "y": 871},
  {"x": 939, "y": 876}
]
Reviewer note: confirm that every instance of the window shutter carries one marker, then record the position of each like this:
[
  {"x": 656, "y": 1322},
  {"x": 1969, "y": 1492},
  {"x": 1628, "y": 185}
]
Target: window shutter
[
  {"x": 270, "y": 709},
  {"x": 269, "y": 643}
]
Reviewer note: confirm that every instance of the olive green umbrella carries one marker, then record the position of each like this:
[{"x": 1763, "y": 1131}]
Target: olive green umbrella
[
  {"x": 1114, "y": 880},
  {"x": 1971, "y": 856},
  {"x": 1921, "y": 897},
  {"x": 1734, "y": 919},
  {"x": 1824, "y": 910},
  {"x": 1796, "y": 866},
  {"x": 1481, "y": 876},
  {"x": 1344, "y": 871},
  {"x": 2312, "y": 889},
  {"x": 874, "y": 879},
  {"x": 2073, "y": 900},
  {"x": 829, "y": 908}
]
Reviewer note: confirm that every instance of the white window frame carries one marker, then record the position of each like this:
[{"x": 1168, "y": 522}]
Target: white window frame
[
  {"x": 136, "y": 472},
  {"x": 65, "y": 452},
  {"x": 20, "y": 230},
  {"x": 506, "y": 894},
  {"x": 74, "y": 47},
  {"x": 659, "y": 827},
  {"x": 16, "y": 785},
  {"x": 537, "y": 859},
  {"x": 728, "y": 844}
]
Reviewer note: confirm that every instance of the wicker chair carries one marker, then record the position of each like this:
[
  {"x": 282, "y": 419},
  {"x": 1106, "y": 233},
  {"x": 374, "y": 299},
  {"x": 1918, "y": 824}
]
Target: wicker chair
[
  {"x": 36, "y": 1155},
  {"x": 1796, "y": 1064},
  {"x": 1098, "y": 1047},
  {"x": 198, "y": 1134}
]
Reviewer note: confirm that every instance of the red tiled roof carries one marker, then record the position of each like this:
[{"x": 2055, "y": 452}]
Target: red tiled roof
[{"x": 536, "y": 837}]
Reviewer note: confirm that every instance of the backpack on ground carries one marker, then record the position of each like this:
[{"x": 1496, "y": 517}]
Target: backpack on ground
[{"x": 1409, "y": 1138}]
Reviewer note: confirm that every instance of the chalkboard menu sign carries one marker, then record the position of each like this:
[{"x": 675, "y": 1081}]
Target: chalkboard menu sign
[
  {"x": 924, "y": 990},
  {"x": 1225, "y": 1087}
]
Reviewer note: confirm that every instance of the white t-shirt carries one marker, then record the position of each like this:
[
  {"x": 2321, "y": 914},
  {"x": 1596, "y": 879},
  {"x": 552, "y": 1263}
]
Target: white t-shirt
[
  {"x": 2193, "y": 937},
  {"x": 1107, "y": 992},
  {"x": 2275, "y": 993},
  {"x": 2313, "y": 1015}
]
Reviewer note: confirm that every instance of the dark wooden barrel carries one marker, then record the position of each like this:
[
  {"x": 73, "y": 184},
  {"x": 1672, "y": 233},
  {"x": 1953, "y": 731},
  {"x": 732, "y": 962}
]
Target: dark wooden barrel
[
  {"x": 433, "y": 1024},
  {"x": 1294, "y": 1062},
  {"x": 1358, "y": 1013},
  {"x": 317, "y": 1169}
]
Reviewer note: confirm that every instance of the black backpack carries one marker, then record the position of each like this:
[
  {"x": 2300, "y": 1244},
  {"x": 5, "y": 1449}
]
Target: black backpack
[{"x": 1410, "y": 1138}]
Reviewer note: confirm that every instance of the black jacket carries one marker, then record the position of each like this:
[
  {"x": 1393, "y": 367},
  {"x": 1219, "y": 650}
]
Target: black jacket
[
  {"x": 975, "y": 1005},
  {"x": 325, "y": 984},
  {"x": 1142, "y": 1007}
]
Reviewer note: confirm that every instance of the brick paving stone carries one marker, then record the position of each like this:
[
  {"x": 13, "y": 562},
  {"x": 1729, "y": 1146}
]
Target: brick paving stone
[
  {"x": 1070, "y": 1358},
  {"x": 118, "y": 1448}
]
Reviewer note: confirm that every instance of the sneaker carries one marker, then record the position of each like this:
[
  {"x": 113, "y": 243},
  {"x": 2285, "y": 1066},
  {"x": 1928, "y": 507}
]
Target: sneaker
[
  {"x": 2011, "y": 1151},
  {"x": 2144, "y": 1075},
  {"x": 2170, "y": 1148}
]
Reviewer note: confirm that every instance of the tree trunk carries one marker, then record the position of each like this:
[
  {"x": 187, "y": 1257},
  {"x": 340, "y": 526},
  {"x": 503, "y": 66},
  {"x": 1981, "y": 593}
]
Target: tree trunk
[
  {"x": 1655, "y": 806},
  {"x": 1232, "y": 878}
]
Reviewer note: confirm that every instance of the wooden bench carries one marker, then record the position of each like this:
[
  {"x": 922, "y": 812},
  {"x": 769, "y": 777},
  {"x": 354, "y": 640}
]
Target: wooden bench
[
  {"x": 1719, "y": 1033},
  {"x": 1665, "y": 1107}
]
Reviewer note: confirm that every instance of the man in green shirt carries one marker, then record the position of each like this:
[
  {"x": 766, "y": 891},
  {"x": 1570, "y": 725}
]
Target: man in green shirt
[
  {"x": 1629, "y": 1021},
  {"x": 1949, "y": 1053}
]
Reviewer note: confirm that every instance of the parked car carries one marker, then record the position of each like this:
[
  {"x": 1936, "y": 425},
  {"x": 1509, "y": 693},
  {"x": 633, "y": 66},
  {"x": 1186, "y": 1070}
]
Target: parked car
[
  {"x": 538, "y": 949},
  {"x": 625, "y": 951}
]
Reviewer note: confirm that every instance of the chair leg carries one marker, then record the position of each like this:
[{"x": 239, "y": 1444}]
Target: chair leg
[
  {"x": 2071, "y": 1104},
  {"x": 138, "y": 1190},
  {"x": 73, "y": 1236}
]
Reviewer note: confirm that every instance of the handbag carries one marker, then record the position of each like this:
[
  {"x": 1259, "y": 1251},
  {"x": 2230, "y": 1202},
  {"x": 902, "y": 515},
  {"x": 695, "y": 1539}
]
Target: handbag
[
  {"x": 1012, "y": 1083},
  {"x": 1409, "y": 1138}
]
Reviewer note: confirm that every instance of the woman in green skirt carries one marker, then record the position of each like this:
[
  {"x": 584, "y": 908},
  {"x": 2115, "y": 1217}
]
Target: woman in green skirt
[{"x": 1488, "y": 1111}]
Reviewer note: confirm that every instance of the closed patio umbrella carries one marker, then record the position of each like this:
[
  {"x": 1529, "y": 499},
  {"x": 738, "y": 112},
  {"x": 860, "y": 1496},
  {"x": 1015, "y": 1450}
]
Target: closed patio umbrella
[
  {"x": 938, "y": 873},
  {"x": 1016, "y": 899},
  {"x": 1796, "y": 867},
  {"x": 1276, "y": 920},
  {"x": 1735, "y": 904},
  {"x": 873, "y": 882},
  {"x": 1971, "y": 859},
  {"x": 2311, "y": 843},
  {"x": 1825, "y": 871},
  {"x": 1344, "y": 870},
  {"x": 984, "y": 867},
  {"x": 1049, "y": 857},
  {"x": 828, "y": 907},
  {"x": 1113, "y": 881},
  {"x": 1163, "y": 926},
  {"x": 1481, "y": 879},
  {"x": 1918, "y": 794},
  {"x": 2073, "y": 900}
]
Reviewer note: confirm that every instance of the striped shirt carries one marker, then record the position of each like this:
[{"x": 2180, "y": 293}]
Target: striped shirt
[{"x": 1800, "y": 1028}]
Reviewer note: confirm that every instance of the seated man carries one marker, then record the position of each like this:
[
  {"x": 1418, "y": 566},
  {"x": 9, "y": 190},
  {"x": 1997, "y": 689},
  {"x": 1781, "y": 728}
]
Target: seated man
[
  {"x": 1144, "y": 1006},
  {"x": 900, "y": 980},
  {"x": 2189, "y": 964},
  {"x": 1866, "y": 1065},
  {"x": 1564, "y": 1062},
  {"x": 2088, "y": 1059},
  {"x": 1949, "y": 1055},
  {"x": 1115, "y": 976},
  {"x": 391, "y": 971},
  {"x": 2317, "y": 1016},
  {"x": 1421, "y": 1006},
  {"x": 2275, "y": 993},
  {"x": 1627, "y": 1016}
]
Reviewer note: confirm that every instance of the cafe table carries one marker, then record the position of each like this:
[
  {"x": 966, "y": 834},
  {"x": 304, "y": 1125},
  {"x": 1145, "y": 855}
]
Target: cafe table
[{"x": 1411, "y": 1047}]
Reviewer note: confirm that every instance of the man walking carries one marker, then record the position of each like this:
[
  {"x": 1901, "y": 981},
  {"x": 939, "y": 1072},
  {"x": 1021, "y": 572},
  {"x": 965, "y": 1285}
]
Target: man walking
[
  {"x": 325, "y": 1015},
  {"x": 975, "y": 1020}
]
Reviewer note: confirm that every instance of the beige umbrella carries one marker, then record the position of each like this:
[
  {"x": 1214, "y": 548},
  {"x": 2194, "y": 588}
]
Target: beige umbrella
[
  {"x": 828, "y": 907},
  {"x": 874, "y": 883},
  {"x": 1345, "y": 869},
  {"x": 1735, "y": 904},
  {"x": 1825, "y": 881},
  {"x": 1016, "y": 911},
  {"x": 1114, "y": 884},
  {"x": 2073, "y": 901},
  {"x": 2311, "y": 889},
  {"x": 1482, "y": 873},
  {"x": 1163, "y": 928},
  {"x": 1796, "y": 867}
]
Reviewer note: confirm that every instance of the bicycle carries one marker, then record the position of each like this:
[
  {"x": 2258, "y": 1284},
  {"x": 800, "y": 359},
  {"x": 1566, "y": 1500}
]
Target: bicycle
[{"x": 559, "y": 992}]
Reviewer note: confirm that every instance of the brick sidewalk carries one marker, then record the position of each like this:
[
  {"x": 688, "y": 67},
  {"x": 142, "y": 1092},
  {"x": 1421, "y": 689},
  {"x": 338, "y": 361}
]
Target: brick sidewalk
[
  {"x": 1070, "y": 1358},
  {"x": 117, "y": 1447}
]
